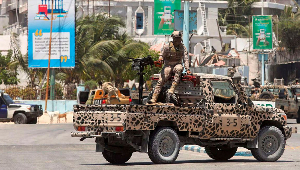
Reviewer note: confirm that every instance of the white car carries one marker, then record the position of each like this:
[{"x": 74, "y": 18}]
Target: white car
[{"x": 17, "y": 112}]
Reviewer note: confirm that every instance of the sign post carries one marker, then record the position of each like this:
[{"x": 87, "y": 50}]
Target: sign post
[{"x": 262, "y": 37}]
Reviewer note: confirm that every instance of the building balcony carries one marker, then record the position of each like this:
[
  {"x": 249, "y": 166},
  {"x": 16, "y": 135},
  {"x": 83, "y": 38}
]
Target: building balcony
[
  {"x": 275, "y": 4},
  {"x": 15, "y": 28}
]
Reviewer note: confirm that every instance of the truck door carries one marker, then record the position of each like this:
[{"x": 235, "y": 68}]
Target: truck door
[
  {"x": 3, "y": 109},
  {"x": 226, "y": 118}
]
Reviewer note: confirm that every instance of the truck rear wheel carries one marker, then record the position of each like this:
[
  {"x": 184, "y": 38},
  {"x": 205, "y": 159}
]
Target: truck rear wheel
[
  {"x": 20, "y": 118},
  {"x": 116, "y": 158},
  {"x": 298, "y": 114},
  {"x": 271, "y": 144},
  {"x": 163, "y": 146},
  {"x": 220, "y": 154}
]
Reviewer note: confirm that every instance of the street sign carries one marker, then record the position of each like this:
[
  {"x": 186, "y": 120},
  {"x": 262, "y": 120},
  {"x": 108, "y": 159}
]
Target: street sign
[
  {"x": 262, "y": 32},
  {"x": 63, "y": 33},
  {"x": 178, "y": 21},
  {"x": 164, "y": 16}
]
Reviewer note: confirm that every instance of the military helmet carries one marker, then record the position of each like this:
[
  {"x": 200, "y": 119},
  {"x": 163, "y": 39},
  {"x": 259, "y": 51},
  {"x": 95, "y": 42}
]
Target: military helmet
[{"x": 176, "y": 34}]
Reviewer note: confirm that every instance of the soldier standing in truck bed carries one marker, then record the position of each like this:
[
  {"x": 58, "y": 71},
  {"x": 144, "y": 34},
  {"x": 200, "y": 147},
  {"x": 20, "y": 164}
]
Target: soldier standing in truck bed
[{"x": 172, "y": 55}]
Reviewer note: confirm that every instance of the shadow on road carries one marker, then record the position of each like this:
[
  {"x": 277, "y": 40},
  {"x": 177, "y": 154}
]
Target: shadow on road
[{"x": 186, "y": 162}]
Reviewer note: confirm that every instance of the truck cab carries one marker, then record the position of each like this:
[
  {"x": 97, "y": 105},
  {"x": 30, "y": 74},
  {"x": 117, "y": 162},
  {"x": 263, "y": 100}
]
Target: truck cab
[{"x": 17, "y": 112}]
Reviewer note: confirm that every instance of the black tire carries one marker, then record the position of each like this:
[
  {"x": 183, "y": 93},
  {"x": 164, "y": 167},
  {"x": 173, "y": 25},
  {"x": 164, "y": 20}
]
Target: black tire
[
  {"x": 266, "y": 95},
  {"x": 220, "y": 153},
  {"x": 116, "y": 158},
  {"x": 271, "y": 144},
  {"x": 298, "y": 114},
  {"x": 33, "y": 121},
  {"x": 20, "y": 118},
  {"x": 163, "y": 146}
]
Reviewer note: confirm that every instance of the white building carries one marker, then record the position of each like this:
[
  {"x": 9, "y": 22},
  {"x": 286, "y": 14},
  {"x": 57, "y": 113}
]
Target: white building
[{"x": 207, "y": 12}]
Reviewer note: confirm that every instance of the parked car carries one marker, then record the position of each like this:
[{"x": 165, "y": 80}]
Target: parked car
[{"x": 17, "y": 112}]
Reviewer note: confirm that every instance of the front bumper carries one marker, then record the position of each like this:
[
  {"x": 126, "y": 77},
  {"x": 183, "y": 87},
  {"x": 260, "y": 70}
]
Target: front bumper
[
  {"x": 288, "y": 131},
  {"x": 34, "y": 114}
]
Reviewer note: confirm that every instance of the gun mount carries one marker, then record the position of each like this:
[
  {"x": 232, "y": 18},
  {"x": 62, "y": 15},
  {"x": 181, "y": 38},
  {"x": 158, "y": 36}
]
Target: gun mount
[{"x": 139, "y": 65}]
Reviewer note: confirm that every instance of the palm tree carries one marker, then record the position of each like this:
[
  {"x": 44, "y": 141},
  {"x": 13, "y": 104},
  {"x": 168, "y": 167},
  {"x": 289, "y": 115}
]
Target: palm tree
[
  {"x": 90, "y": 31},
  {"x": 111, "y": 57}
]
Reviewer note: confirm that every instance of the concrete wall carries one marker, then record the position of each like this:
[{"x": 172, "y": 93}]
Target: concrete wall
[
  {"x": 3, "y": 23},
  {"x": 53, "y": 105}
]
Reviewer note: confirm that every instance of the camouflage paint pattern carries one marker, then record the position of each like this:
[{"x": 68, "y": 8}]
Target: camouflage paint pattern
[{"x": 207, "y": 118}]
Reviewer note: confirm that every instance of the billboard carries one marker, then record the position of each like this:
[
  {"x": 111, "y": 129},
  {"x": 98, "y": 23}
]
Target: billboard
[
  {"x": 164, "y": 16},
  {"x": 262, "y": 32},
  {"x": 178, "y": 22},
  {"x": 63, "y": 33}
]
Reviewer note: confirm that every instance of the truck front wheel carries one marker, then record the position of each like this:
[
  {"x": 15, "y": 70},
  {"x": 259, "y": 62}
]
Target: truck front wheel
[
  {"x": 271, "y": 144},
  {"x": 219, "y": 153},
  {"x": 33, "y": 121},
  {"x": 163, "y": 146},
  {"x": 20, "y": 118},
  {"x": 116, "y": 158}
]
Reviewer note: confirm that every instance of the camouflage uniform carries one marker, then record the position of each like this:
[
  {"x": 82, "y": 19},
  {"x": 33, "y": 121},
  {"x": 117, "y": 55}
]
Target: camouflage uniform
[
  {"x": 110, "y": 90},
  {"x": 172, "y": 58}
]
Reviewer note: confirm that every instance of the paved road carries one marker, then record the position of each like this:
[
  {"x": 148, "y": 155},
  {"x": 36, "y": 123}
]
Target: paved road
[{"x": 51, "y": 147}]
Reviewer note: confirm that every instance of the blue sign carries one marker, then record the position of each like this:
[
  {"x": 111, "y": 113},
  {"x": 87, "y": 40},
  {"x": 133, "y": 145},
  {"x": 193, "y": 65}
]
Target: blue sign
[
  {"x": 266, "y": 56},
  {"x": 178, "y": 21},
  {"x": 63, "y": 33}
]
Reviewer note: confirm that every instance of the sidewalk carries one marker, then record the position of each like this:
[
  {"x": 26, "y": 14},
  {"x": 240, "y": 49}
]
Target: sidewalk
[{"x": 196, "y": 148}]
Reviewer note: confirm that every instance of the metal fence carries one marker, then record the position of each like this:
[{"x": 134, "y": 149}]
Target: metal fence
[{"x": 29, "y": 93}]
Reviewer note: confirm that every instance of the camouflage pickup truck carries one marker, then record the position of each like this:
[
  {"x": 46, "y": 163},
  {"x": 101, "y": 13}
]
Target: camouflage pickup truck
[
  {"x": 284, "y": 97},
  {"x": 211, "y": 111}
]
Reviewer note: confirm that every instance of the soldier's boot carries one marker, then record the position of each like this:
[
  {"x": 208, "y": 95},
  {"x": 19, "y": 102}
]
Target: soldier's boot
[
  {"x": 172, "y": 88},
  {"x": 154, "y": 98}
]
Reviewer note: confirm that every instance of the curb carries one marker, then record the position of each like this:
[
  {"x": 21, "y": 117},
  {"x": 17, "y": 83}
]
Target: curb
[{"x": 195, "y": 148}]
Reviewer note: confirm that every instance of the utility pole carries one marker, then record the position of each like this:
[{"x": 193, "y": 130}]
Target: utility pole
[
  {"x": 262, "y": 7},
  {"x": 108, "y": 8},
  {"x": 93, "y": 7},
  {"x": 263, "y": 55},
  {"x": 186, "y": 28},
  {"x": 249, "y": 19},
  {"x": 88, "y": 8},
  {"x": 49, "y": 57}
]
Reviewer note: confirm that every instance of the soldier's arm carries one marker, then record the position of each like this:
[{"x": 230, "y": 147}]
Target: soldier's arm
[
  {"x": 164, "y": 52},
  {"x": 186, "y": 59}
]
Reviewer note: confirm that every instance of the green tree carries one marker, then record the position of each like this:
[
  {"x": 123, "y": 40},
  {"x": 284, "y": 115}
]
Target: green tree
[
  {"x": 289, "y": 29},
  {"x": 8, "y": 75},
  {"x": 20, "y": 61},
  {"x": 236, "y": 17},
  {"x": 90, "y": 31}
]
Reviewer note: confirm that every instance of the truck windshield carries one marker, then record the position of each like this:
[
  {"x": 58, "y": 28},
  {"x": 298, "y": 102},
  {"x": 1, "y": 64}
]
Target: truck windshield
[{"x": 8, "y": 99}]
